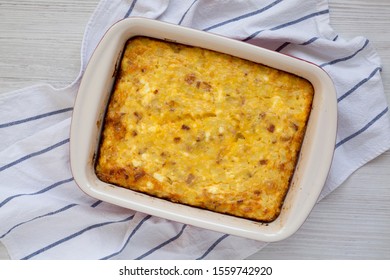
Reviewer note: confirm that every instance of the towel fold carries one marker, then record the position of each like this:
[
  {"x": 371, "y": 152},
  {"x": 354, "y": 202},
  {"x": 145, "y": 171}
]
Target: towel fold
[{"x": 44, "y": 215}]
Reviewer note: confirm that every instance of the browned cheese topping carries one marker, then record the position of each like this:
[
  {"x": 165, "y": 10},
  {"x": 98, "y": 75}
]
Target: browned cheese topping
[{"x": 203, "y": 128}]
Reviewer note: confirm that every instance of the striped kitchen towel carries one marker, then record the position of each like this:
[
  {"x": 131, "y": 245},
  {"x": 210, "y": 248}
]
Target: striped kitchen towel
[{"x": 44, "y": 215}]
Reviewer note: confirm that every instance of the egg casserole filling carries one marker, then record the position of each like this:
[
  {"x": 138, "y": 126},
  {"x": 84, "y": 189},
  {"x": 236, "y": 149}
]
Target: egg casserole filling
[{"x": 203, "y": 128}]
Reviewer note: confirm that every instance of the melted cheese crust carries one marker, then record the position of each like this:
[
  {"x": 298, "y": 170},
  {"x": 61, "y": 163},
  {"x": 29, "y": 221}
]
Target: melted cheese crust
[{"x": 203, "y": 128}]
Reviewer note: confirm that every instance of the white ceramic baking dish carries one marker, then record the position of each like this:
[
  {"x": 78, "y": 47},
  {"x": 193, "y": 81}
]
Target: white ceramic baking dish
[{"x": 95, "y": 88}]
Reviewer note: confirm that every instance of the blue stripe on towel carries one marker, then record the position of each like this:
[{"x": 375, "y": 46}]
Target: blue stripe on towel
[
  {"x": 282, "y": 46},
  {"x": 128, "y": 239},
  {"x": 69, "y": 206},
  {"x": 244, "y": 16},
  {"x": 130, "y": 9},
  {"x": 287, "y": 24},
  {"x": 96, "y": 203},
  {"x": 39, "y": 217},
  {"x": 359, "y": 84},
  {"x": 37, "y": 117},
  {"x": 59, "y": 183},
  {"x": 184, "y": 15},
  {"x": 364, "y": 128},
  {"x": 26, "y": 157},
  {"x": 310, "y": 41},
  {"x": 347, "y": 57},
  {"x": 211, "y": 248},
  {"x": 162, "y": 244},
  {"x": 54, "y": 244}
]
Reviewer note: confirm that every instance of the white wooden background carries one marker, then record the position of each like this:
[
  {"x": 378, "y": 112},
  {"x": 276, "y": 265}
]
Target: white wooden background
[{"x": 40, "y": 41}]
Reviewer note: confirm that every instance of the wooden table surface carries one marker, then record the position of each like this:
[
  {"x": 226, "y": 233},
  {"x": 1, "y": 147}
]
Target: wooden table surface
[{"x": 40, "y": 42}]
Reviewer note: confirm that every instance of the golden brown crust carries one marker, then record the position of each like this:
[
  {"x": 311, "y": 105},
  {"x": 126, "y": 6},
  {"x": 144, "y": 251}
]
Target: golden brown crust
[{"x": 203, "y": 128}]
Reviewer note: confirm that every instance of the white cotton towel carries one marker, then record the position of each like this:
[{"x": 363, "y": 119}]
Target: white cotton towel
[{"x": 44, "y": 215}]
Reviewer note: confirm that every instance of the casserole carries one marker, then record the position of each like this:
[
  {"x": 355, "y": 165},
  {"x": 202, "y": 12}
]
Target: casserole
[{"x": 91, "y": 102}]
